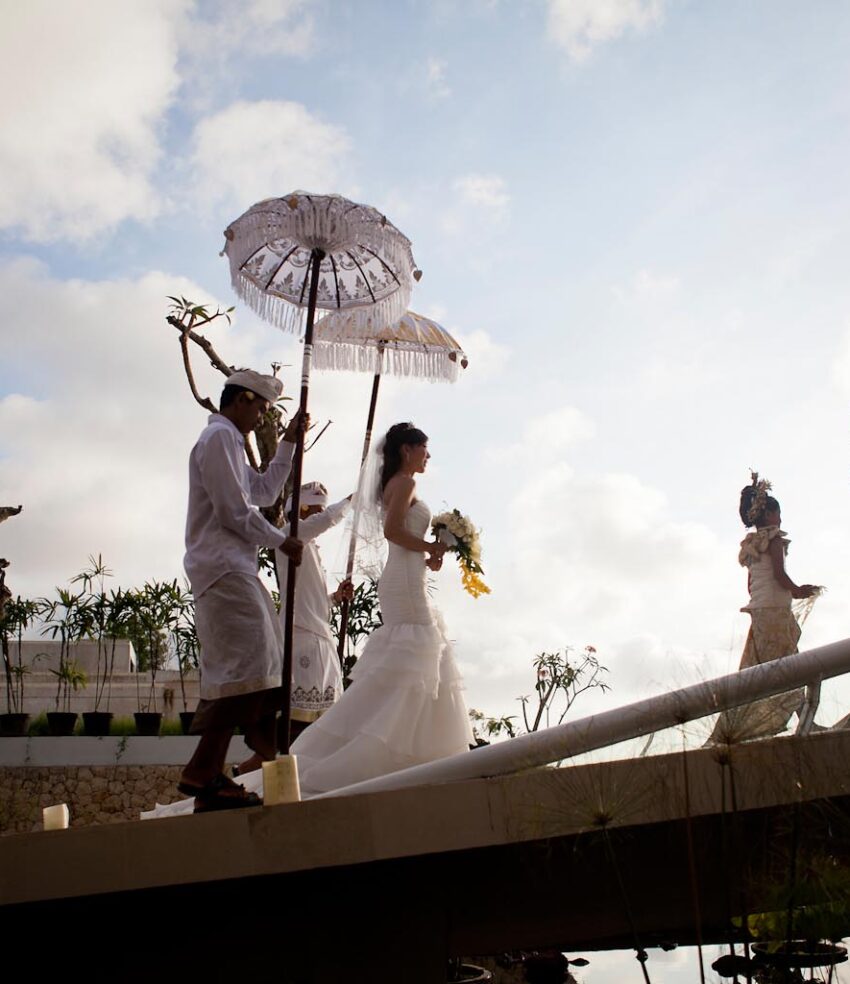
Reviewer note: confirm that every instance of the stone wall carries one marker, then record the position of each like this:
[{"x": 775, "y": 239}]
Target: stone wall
[{"x": 95, "y": 794}]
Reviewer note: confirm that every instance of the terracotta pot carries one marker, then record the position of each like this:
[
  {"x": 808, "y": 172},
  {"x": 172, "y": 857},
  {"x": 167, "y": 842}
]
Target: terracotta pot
[
  {"x": 148, "y": 723},
  {"x": 186, "y": 721},
  {"x": 13, "y": 725},
  {"x": 96, "y": 723},
  {"x": 60, "y": 724}
]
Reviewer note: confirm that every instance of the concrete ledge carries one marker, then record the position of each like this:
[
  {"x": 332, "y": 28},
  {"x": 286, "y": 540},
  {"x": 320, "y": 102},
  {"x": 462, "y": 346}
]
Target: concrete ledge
[
  {"x": 81, "y": 750},
  {"x": 450, "y": 817}
]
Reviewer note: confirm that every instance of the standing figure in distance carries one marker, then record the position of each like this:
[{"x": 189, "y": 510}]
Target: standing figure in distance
[
  {"x": 774, "y": 631},
  {"x": 238, "y": 630}
]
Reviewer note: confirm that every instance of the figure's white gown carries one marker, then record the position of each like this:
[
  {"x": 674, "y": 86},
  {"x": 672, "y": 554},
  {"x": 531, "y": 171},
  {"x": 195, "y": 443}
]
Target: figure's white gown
[{"x": 405, "y": 705}]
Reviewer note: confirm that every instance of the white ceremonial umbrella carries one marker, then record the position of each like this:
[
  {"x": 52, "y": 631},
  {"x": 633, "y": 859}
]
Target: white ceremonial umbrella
[
  {"x": 302, "y": 252},
  {"x": 413, "y": 346}
]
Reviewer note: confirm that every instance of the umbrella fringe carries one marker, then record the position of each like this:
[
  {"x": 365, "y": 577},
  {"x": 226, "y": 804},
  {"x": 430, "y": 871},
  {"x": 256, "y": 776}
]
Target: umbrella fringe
[
  {"x": 436, "y": 367},
  {"x": 287, "y": 316},
  {"x": 329, "y": 223}
]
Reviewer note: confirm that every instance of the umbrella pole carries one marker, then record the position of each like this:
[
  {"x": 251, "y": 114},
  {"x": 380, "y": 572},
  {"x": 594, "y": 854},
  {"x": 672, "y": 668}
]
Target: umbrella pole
[
  {"x": 316, "y": 258},
  {"x": 345, "y": 608}
]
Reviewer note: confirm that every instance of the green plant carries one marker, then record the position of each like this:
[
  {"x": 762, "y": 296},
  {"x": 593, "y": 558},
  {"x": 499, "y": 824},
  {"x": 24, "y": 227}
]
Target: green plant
[
  {"x": 560, "y": 681},
  {"x": 66, "y": 619},
  {"x": 185, "y": 639},
  {"x": 364, "y": 616},
  {"x": 95, "y": 616},
  {"x": 17, "y": 616},
  {"x": 154, "y": 614},
  {"x": 813, "y": 906},
  {"x": 69, "y": 678}
]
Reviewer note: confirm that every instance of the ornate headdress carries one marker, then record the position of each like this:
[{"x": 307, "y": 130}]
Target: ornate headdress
[{"x": 757, "y": 503}]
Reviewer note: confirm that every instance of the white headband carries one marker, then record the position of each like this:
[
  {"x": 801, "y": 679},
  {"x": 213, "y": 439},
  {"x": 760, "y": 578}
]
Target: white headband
[{"x": 312, "y": 494}]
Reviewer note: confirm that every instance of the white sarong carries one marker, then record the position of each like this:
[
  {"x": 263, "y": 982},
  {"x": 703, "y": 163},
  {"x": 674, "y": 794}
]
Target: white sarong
[{"x": 240, "y": 636}]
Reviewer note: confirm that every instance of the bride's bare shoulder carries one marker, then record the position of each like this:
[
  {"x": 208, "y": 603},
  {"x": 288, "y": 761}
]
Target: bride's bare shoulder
[{"x": 400, "y": 488}]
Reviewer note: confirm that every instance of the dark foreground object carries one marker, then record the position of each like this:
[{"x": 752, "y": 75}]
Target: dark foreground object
[{"x": 565, "y": 858}]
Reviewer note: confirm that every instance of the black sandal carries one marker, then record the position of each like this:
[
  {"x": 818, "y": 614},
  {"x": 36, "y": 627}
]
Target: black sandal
[{"x": 213, "y": 797}]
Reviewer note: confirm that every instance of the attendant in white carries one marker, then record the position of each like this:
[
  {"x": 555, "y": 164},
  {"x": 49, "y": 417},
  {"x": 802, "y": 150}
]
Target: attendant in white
[
  {"x": 241, "y": 642},
  {"x": 316, "y": 674}
]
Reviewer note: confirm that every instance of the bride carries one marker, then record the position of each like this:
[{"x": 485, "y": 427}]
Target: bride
[{"x": 405, "y": 704}]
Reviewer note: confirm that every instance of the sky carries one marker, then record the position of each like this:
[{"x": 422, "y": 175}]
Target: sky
[{"x": 632, "y": 213}]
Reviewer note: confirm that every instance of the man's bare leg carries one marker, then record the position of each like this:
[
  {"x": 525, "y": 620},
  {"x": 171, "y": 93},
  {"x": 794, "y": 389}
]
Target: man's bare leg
[
  {"x": 260, "y": 738},
  {"x": 256, "y": 760},
  {"x": 209, "y": 758}
]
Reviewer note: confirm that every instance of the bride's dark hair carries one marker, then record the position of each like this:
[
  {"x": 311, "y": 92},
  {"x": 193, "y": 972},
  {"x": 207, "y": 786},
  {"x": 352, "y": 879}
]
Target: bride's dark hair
[{"x": 398, "y": 435}]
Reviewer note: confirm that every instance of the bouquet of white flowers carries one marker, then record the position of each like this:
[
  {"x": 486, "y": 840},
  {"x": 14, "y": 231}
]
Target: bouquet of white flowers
[{"x": 459, "y": 536}]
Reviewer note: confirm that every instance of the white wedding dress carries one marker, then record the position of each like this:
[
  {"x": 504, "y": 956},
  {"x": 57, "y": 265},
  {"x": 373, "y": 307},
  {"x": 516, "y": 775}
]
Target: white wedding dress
[{"x": 405, "y": 704}]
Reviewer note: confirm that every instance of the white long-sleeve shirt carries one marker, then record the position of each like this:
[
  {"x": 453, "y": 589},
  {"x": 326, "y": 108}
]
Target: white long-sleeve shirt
[
  {"x": 223, "y": 526},
  {"x": 312, "y": 601}
]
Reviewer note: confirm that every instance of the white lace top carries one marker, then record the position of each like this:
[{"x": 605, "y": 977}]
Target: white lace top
[{"x": 765, "y": 590}]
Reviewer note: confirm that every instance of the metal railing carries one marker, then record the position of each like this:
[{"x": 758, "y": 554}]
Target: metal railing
[{"x": 806, "y": 669}]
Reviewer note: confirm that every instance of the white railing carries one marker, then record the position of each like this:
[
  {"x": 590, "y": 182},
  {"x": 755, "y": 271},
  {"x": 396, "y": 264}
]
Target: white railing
[{"x": 644, "y": 717}]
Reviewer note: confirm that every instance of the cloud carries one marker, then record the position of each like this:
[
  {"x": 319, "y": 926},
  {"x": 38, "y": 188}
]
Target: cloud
[
  {"x": 582, "y": 557},
  {"x": 86, "y": 87},
  {"x": 578, "y": 26},
  {"x": 487, "y": 356},
  {"x": 647, "y": 287},
  {"x": 255, "y": 150},
  {"x": 435, "y": 78},
  {"x": 253, "y": 27},
  {"x": 486, "y": 191},
  {"x": 224, "y": 45},
  {"x": 841, "y": 364},
  {"x": 97, "y": 421}
]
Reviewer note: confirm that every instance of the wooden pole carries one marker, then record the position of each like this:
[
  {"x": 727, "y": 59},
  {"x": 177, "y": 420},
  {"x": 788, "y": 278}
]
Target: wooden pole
[
  {"x": 316, "y": 257},
  {"x": 352, "y": 547}
]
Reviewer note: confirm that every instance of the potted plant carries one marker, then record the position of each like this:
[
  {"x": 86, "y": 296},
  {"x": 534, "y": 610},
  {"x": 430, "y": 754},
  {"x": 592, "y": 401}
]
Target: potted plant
[
  {"x": 65, "y": 619},
  {"x": 17, "y": 616},
  {"x": 186, "y": 646},
  {"x": 69, "y": 678},
  {"x": 96, "y": 619},
  {"x": 151, "y": 619}
]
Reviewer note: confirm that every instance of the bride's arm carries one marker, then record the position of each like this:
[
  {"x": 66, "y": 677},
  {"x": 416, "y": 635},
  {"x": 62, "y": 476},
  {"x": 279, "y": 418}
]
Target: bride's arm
[{"x": 397, "y": 500}]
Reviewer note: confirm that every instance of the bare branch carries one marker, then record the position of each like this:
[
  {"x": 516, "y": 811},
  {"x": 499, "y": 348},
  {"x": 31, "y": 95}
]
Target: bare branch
[
  {"x": 313, "y": 443},
  {"x": 216, "y": 360},
  {"x": 205, "y": 402}
]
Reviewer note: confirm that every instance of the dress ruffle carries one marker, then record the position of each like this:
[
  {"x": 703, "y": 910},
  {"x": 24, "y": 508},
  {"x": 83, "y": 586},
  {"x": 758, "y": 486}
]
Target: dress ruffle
[
  {"x": 755, "y": 544},
  {"x": 405, "y": 706}
]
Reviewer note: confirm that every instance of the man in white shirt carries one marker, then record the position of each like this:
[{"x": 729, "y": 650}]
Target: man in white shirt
[{"x": 241, "y": 642}]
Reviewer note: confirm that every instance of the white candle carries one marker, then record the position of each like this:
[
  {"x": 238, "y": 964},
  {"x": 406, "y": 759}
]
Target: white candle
[
  {"x": 56, "y": 817},
  {"x": 280, "y": 781}
]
